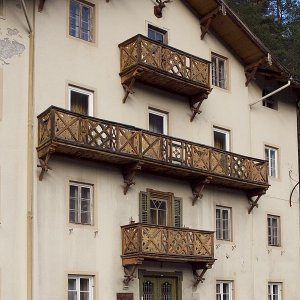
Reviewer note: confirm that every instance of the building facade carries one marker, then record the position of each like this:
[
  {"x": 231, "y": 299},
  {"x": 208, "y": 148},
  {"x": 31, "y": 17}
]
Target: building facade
[{"x": 134, "y": 160}]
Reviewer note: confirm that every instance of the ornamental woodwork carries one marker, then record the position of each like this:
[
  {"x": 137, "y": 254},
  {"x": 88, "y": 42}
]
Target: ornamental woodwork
[{"x": 64, "y": 132}]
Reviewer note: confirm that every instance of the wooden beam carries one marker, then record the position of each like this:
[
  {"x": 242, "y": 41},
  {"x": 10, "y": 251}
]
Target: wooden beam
[
  {"x": 195, "y": 104},
  {"x": 198, "y": 186},
  {"x": 254, "y": 193},
  {"x": 129, "y": 173},
  {"x": 41, "y": 5}
]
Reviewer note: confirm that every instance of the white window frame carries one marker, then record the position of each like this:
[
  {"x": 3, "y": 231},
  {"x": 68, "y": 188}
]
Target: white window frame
[
  {"x": 217, "y": 81},
  {"x": 161, "y": 114},
  {"x": 271, "y": 296},
  {"x": 89, "y": 93},
  {"x": 270, "y": 167},
  {"x": 272, "y": 236},
  {"x": 78, "y": 217},
  {"x": 226, "y": 134},
  {"x": 91, "y": 6},
  {"x": 221, "y": 238},
  {"x": 221, "y": 294},
  {"x": 77, "y": 278}
]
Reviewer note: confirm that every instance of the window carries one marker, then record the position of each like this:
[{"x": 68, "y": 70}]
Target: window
[
  {"x": 271, "y": 157},
  {"x": 221, "y": 139},
  {"x": 159, "y": 208},
  {"x": 273, "y": 230},
  {"x": 81, "y": 101},
  {"x": 223, "y": 223},
  {"x": 274, "y": 291},
  {"x": 80, "y": 287},
  {"x": 81, "y": 20},
  {"x": 80, "y": 203},
  {"x": 219, "y": 71},
  {"x": 269, "y": 102},
  {"x": 158, "y": 121},
  {"x": 224, "y": 290},
  {"x": 157, "y": 34}
]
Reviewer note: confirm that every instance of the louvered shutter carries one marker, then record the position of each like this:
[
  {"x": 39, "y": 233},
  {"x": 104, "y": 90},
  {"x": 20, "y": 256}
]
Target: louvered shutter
[
  {"x": 144, "y": 208},
  {"x": 177, "y": 212}
]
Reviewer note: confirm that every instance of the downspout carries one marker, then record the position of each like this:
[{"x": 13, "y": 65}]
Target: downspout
[{"x": 30, "y": 152}]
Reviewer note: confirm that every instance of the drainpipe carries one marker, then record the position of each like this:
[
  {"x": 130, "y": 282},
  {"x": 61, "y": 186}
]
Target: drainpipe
[
  {"x": 274, "y": 92},
  {"x": 30, "y": 152}
]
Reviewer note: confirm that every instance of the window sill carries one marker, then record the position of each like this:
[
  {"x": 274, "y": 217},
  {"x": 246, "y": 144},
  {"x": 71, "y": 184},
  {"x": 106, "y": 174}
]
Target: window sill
[
  {"x": 72, "y": 226},
  {"x": 92, "y": 43},
  {"x": 217, "y": 88}
]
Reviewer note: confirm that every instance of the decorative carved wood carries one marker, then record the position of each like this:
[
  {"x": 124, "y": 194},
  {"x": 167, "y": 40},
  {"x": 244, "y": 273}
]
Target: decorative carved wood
[
  {"x": 198, "y": 186},
  {"x": 129, "y": 88},
  {"x": 251, "y": 70},
  {"x": 124, "y": 296},
  {"x": 195, "y": 104},
  {"x": 129, "y": 173},
  {"x": 255, "y": 193},
  {"x": 161, "y": 4},
  {"x": 206, "y": 20},
  {"x": 200, "y": 277},
  {"x": 44, "y": 162},
  {"x": 129, "y": 275}
]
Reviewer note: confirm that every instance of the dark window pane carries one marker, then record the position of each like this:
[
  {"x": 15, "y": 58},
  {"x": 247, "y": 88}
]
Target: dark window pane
[
  {"x": 156, "y": 123},
  {"x": 79, "y": 103}
]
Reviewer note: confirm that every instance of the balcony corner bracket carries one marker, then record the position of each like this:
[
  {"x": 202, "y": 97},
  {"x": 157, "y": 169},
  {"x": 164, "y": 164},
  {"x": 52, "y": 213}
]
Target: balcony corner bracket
[
  {"x": 199, "y": 277},
  {"x": 129, "y": 87},
  {"x": 129, "y": 172},
  {"x": 198, "y": 186},
  {"x": 195, "y": 104},
  {"x": 44, "y": 162},
  {"x": 254, "y": 202},
  {"x": 206, "y": 20},
  {"x": 161, "y": 4},
  {"x": 251, "y": 69},
  {"x": 128, "y": 275}
]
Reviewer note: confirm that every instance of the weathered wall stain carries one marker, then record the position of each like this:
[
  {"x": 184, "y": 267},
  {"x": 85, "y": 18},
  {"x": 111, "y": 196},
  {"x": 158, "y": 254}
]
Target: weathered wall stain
[
  {"x": 9, "y": 49},
  {"x": 11, "y": 32}
]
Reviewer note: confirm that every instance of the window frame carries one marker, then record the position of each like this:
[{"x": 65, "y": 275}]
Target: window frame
[
  {"x": 217, "y": 82},
  {"x": 272, "y": 237},
  {"x": 159, "y": 30},
  {"x": 80, "y": 185},
  {"x": 227, "y": 134},
  {"x": 162, "y": 114},
  {"x": 92, "y": 7},
  {"x": 221, "y": 233},
  {"x": 83, "y": 91},
  {"x": 222, "y": 283},
  {"x": 77, "y": 277},
  {"x": 276, "y": 150},
  {"x": 271, "y": 285}
]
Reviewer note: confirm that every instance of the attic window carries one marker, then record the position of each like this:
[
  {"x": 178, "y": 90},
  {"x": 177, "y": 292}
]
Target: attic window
[{"x": 269, "y": 102}]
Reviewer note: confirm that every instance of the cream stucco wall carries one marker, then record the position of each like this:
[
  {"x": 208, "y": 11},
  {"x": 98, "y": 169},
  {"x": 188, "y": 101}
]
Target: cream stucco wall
[{"x": 61, "y": 248}]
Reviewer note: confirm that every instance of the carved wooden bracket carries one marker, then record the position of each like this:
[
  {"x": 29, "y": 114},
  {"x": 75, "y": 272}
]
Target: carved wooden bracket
[
  {"x": 199, "y": 277},
  {"x": 161, "y": 4},
  {"x": 41, "y": 5},
  {"x": 128, "y": 275},
  {"x": 251, "y": 70},
  {"x": 206, "y": 20},
  {"x": 44, "y": 162},
  {"x": 198, "y": 186},
  {"x": 129, "y": 88},
  {"x": 129, "y": 173},
  {"x": 195, "y": 104},
  {"x": 254, "y": 193}
]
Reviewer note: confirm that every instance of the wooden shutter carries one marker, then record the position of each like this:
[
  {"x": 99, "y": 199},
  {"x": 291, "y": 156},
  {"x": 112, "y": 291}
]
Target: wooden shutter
[
  {"x": 177, "y": 212},
  {"x": 144, "y": 208}
]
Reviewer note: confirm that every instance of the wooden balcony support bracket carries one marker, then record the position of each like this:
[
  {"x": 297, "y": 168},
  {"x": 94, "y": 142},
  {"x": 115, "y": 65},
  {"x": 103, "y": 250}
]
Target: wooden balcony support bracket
[
  {"x": 206, "y": 20},
  {"x": 195, "y": 104},
  {"x": 129, "y": 172},
  {"x": 198, "y": 186},
  {"x": 129, "y": 87},
  {"x": 254, "y": 193},
  {"x": 200, "y": 277},
  {"x": 129, "y": 275},
  {"x": 44, "y": 162},
  {"x": 41, "y": 5},
  {"x": 158, "y": 8},
  {"x": 251, "y": 70}
]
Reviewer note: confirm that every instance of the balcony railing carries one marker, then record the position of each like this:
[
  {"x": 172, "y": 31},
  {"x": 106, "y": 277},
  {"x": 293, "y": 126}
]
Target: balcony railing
[
  {"x": 162, "y": 66},
  {"x": 64, "y": 132},
  {"x": 150, "y": 242}
]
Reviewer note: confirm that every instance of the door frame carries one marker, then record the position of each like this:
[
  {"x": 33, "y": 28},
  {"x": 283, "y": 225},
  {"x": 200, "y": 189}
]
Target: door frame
[{"x": 176, "y": 275}]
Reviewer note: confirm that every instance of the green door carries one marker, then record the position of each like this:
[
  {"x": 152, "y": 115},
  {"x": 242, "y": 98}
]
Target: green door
[{"x": 159, "y": 288}]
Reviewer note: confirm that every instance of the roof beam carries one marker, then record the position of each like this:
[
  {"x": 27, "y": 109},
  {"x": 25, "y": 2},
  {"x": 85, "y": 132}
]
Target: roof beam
[{"x": 206, "y": 20}]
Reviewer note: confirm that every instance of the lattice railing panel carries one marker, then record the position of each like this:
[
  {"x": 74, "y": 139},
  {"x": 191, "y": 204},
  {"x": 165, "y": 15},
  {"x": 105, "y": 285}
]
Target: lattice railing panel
[
  {"x": 199, "y": 71},
  {"x": 151, "y": 54},
  {"x": 176, "y": 63},
  {"x": 151, "y": 146},
  {"x": 162, "y": 240},
  {"x": 129, "y": 55},
  {"x": 44, "y": 128}
]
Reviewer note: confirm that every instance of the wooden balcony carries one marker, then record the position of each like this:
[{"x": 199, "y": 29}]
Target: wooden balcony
[
  {"x": 161, "y": 243},
  {"x": 83, "y": 137},
  {"x": 164, "y": 67}
]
